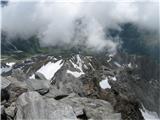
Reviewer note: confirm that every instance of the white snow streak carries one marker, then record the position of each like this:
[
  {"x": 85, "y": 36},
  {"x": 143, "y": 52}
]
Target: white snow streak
[
  {"x": 130, "y": 65},
  {"x": 78, "y": 66},
  {"x": 117, "y": 64},
  {"x": 10, "y": 64},
  {"x": 75, "y": 73}
]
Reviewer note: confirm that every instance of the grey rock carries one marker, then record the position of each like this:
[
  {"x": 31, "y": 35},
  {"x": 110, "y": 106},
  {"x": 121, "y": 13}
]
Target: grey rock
[
  {"x": 31, "y": 106},
  {"x": 3, "y": 114},
  {"x": 40, "y": 76},
  {"x": 11, "y": 110},
  {"x": 16, "y": 88},
  {"x": 67, "y": 83},
  {"x": 94, "y": 108},
  {"x": 4, "y": 83},
  {"x": 42, "y": 86},
  {"x": 43, "y": 91},
  {"x": 54, "y": 92},
  {"x": 16, "y": 82},
  {"x": 18, "y": 74}
]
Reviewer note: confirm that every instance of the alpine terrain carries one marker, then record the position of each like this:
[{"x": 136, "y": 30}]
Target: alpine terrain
[{"x": 79, "y": 61}]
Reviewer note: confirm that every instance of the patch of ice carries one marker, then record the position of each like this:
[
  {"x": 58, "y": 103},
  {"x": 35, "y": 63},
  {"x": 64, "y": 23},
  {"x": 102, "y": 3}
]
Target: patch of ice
[
  {"x": 148, "y": 115},
  {"x": 104, "y": 84},
  {"x": 50, "y": 69},
  {"x": 75, "y": 73}
]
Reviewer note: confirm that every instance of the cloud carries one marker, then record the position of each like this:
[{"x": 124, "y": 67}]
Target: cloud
[{"x": 76, "y": 23}]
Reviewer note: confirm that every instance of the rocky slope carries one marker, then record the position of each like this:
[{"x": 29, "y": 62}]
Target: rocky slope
[{"x": 83, "y": 87}]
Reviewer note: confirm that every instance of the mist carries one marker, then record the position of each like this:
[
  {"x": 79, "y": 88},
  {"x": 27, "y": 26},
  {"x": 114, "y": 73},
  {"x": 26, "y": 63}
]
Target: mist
[{"x": 76, "y": 23}]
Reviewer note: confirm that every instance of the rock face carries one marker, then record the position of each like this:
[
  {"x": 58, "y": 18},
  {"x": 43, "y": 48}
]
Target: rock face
[
  {"x": 42, "y": 86},
  {"x": 74, "y": 91},
  {"x": 92, "y": 108},
  {"x": 11, "y": 110},
  {"x": 4, "y": 83},
  {"x": 31, "y": 106}
]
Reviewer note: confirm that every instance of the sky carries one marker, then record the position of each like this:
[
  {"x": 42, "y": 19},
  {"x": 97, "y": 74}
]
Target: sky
[{"x": 77, "y": 22}]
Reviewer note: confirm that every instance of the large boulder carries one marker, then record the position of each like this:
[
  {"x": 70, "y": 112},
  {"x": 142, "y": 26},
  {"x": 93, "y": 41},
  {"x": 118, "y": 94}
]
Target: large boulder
[
  {"x": 42, "y": 86},
  {"x": 94, "y": 109},
  {"x": 55, "y": 93},
  {"x": 16, "y": 88},
  {"x": 40, "y": 76},
  {"x": 67, "y": 83},
  {"x": 31, "y": 106}
]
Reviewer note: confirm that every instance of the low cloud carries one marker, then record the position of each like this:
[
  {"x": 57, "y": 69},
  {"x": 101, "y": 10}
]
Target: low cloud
[{"x": 76, "y": 23}]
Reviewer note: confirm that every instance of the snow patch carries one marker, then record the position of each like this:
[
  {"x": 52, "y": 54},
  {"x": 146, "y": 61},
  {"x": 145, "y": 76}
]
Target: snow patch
[
  {"x": 112, "y": 78},
  {"x": 130, "y": 65},
  {"x": 78, "y": 66},
  {"x": 148, "y": 115},
  {"x": 10, "y": 64},
  {"x": 75, "y": 73},
  {"x": 104, "y": 84},
  {"x": 5, "y": 69},
  {"x": 32, "y": 77},
  {"x": 50, "y": 69}
]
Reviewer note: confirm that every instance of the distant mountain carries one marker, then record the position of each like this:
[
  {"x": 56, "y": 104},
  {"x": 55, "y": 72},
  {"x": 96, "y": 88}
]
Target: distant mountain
[
  {"x": 129, "y": 83},
  {"x": 134, "y": 41},
  {"x": 138, "y": 41}
]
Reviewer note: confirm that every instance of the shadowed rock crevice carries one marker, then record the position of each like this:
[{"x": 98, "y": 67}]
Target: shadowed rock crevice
[
  {"x": 83, "y": 116},
  {"x": 60, "y": 97}
]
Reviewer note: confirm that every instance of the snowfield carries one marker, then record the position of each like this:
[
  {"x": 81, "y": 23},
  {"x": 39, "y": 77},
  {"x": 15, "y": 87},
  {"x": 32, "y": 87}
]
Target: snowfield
[{"x": 49, "y": 69}]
